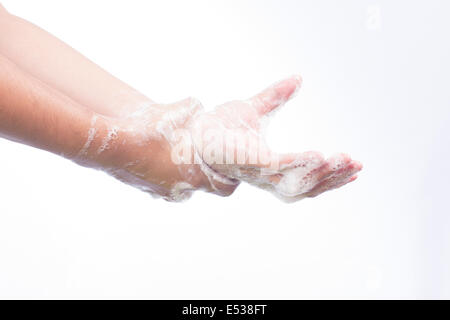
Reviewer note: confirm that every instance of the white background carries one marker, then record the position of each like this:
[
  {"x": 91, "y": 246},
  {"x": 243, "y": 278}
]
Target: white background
[{"x": 376, "y": 85}]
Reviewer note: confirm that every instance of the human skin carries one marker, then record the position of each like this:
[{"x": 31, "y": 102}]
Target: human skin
[
  {"x": 53, "y": 98},
  {"x": 55, "y": 63},
  {"x": 290, "y": 177}
]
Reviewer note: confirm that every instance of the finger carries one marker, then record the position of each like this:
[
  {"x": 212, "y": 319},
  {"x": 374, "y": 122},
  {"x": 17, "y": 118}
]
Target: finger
[
  {"x": 337, "y": 179},
  {"x": 296, "y": 172},
  {"x": 310, "y": 160},
  {"x": 353, "y": 178},
  {"x": 276, "y": 95},
  {"x": 293, "y": 160},
  {"x": 330, "y": 185}
]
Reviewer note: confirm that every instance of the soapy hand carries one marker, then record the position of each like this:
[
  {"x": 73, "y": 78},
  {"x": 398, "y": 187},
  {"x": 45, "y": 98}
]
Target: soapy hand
[{"x": 231, "y": 141}]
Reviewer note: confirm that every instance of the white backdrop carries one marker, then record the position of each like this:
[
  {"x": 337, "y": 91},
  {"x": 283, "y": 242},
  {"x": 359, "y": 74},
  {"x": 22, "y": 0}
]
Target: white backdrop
[{"x": 376, "y": 85}]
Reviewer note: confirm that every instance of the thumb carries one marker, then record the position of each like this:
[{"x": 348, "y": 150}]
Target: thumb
[{"x": 276, "y": 95}]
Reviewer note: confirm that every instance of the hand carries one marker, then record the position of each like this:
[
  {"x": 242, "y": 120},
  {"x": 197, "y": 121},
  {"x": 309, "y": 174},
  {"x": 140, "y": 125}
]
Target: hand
[
  {"x": 139, "y": 150},
  {"x": 231, "y": 140}
]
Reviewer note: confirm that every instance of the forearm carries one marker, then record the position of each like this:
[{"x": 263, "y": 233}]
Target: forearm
[
  {"x": 33, "y": 113},
  {"x": 133, "y": 150},
  {"x": 63, "y": 68}
]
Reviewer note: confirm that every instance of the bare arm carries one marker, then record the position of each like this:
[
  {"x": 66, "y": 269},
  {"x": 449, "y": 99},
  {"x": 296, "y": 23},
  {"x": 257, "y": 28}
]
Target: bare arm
[
  {"x": 53, "y": 98},
  {"x": 33, "y": 113},
  {"x": 61, "y": 67},
  {"x": 132, "y": 149}
]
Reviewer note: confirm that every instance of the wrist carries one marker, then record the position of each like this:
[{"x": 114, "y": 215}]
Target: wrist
[{"x": 101, "y": 143}]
